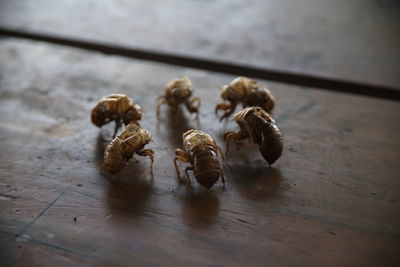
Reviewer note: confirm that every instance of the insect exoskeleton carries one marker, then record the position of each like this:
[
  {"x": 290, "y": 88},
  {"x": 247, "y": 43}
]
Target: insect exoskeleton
[
  {"x": 115, "y": 107},
  {"x": 247, "y": 92},
  {"x": 179, "y": 91},
  {"x": 201, "y": 152},
  {"x": 257, "y": 125},
  {"x": 123, "y": 147}
]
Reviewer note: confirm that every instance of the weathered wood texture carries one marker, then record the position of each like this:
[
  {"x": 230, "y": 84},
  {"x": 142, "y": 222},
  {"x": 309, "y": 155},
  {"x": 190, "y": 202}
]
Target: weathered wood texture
[
  {"x": 331, "y": 199},
  {"x": 355, "y": 40}
]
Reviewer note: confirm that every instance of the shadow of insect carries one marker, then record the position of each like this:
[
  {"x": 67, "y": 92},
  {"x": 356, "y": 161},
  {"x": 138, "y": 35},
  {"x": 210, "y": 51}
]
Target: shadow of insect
[
  {"x": 130, "y": 194},
  {"x": 200, "y": 208},
  {"x": 256, "y": 182}
]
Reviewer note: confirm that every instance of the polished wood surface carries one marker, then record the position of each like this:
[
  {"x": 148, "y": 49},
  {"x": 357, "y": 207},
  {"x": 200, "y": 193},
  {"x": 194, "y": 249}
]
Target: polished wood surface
[
  {"x": 351, "y": 40},
  {"x": 331, "y": 199}
]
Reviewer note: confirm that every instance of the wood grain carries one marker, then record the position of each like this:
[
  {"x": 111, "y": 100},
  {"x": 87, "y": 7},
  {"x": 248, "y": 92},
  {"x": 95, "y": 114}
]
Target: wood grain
[
  {"x": 331, "y": 199},
  {"x": 355, "y": 40}
]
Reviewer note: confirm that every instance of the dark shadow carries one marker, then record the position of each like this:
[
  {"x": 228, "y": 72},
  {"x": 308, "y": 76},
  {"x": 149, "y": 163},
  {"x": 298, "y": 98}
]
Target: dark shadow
[
  {"x": 133, "y": 184},
  {"x": 200, "y": 208},
  {"x": 101, "y": 145},
  {"x": 132, "y": 189},
  {"x": 221, "y": 132},
  {"x": 242, "y": 153},
  {"x": 225, "y": 125},
  {"x": 172, "y": 126},
  {"x": 256, "y": 182}
]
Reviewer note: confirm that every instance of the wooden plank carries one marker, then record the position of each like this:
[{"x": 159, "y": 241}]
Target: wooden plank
[
  {"x": 351, "y": 41},
  {"x": 332, "y": 198},
  {"x": 299, "y": 79}
]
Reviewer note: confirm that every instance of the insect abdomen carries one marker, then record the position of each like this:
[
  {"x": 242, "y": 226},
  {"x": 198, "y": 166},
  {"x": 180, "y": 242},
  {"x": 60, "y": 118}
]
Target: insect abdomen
[
  {"x": 113, "y": 161},
  {"x": 206, "y": 167},
  {"x": 272, "y": 145}
]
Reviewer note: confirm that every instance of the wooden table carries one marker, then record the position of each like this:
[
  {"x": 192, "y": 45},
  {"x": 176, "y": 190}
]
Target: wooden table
[
  {"x": 355, "y": 40},
  {"x": 331, "y": 199}
]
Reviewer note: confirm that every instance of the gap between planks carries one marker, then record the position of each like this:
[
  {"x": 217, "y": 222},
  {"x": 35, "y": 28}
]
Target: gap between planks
[{"x": 336, "y": 85}]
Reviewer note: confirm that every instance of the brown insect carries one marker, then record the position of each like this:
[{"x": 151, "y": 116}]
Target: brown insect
[
  {"x": 257, "y": 125},
  {"x": 246, "y": 91},
  {"x": 123, "y": 147},
  {"x": 201, "y": 151},
  {"x": 115, "y": 107},
  {"x": 179, "y": 91}
]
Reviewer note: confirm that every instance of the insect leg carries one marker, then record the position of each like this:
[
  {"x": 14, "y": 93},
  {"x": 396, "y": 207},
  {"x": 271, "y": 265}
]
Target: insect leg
[
  {"x": 222, "y": 177},
  {"x": 198, "y": 100},
  {"x": 231, "y": 135},
  {"x": 193, "y": 108},
  {"x": 223, "y": 106},
  {"x": 177, "y": 169},
  {"x": 159, "y": 105},
  {"x": 229, "y": 112},
  {"x": 220, "y": 151},
  {"x": 117, "y": 126},
  {"x": 189, "y": 103},
  {"x": 148, "y": 153},
  {"x": 180, "y": 155},
  {"x": 189, "y": 168}
]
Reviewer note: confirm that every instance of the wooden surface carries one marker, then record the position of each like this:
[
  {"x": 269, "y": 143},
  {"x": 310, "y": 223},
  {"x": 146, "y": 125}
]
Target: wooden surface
[
  {"x": 352, "y": 40},
  {"x": 331, "y": 199}
]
